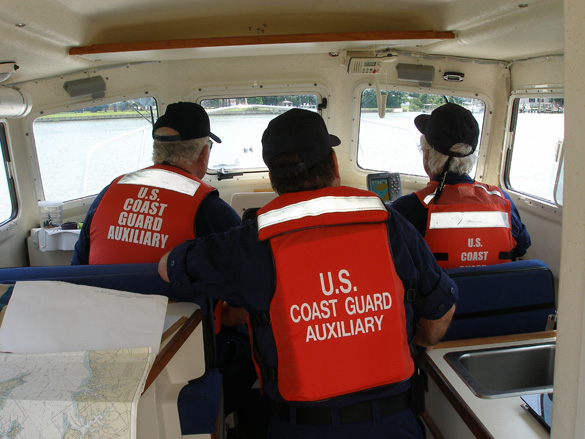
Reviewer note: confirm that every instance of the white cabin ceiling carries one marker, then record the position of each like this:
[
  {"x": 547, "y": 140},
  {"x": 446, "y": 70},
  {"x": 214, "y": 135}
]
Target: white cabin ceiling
[{"x": 494, "y": 29}]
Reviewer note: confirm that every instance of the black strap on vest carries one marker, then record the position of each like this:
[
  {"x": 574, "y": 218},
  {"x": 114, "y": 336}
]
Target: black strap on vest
[
  {"x": 508, "y": 256},
  {"x": 358, "y": 412}
]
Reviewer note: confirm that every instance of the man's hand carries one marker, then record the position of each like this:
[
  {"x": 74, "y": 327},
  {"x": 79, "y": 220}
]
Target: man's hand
[
  {"x": 162, "y": 267},
  {"x": 232, "y": 316}
]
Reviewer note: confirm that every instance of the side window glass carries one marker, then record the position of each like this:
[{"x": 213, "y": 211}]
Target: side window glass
[
  {"x": 391, "y": 143},
  {"x": 8, "y": 207},
  {"x": 80, "y": 152},
  {"x": 535, "y": 157}
]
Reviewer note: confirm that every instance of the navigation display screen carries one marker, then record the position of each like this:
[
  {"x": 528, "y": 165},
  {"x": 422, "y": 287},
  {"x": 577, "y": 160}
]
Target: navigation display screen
[
  {"x": 380, "y": 187},
  {"x": 386, "y": 185}
]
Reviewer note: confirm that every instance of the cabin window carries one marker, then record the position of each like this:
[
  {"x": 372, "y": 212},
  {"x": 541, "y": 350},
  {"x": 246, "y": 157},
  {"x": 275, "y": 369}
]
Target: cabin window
[
  {"x": 535, "y": 158},
  {"x": 80, "y": 152},
  {"x": 8, "y": 207},
  {"x": 391, "y": 143},
  {"x": 240, "y": 122}
]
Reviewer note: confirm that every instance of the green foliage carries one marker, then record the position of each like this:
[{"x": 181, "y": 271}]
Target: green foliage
[
  {"x": 411, "y": 101},
  {"x": 292, "y": 101}
]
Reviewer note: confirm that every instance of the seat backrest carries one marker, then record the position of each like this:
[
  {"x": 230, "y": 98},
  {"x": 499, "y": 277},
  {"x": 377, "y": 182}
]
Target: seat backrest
[
  {"x": 511, "y": 298},
  {"x": 245, "y": 200},
  {"x": 136, "y": 278}
]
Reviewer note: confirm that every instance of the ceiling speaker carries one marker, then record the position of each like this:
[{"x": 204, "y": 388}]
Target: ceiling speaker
[
  {"x": 424, "y": 75},
  {"x": 94, "y": 87}
]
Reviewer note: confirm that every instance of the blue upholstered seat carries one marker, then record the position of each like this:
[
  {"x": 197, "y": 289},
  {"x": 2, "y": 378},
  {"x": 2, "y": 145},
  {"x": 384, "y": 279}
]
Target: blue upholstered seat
[{"x": 511, "y": 298}]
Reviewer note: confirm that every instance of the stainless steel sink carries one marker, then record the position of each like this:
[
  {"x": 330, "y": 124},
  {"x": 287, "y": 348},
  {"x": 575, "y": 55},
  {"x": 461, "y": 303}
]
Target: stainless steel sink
[{"x": 507, "y": 371}]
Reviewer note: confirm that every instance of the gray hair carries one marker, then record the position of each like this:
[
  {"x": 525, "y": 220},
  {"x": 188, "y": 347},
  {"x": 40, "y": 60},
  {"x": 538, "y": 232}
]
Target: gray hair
[
  {"x": 180, "y": 151},
  {"x": 459, "y": 165}
]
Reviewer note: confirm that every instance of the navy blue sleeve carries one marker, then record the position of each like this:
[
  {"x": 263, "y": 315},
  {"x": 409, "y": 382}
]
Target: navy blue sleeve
[
  {"x": 410, "y": 207},
  {"x": 81, "y": 249},
  {"x": 519, "y": 231},
  {"x": 417, "y": 268},
  {"x": 215, "y": 215},
  {"x": 232, "y": 266}
]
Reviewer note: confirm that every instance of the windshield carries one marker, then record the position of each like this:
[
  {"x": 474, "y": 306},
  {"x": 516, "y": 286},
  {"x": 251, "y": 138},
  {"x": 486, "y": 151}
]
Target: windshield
[{"x": 240, "y": 123}]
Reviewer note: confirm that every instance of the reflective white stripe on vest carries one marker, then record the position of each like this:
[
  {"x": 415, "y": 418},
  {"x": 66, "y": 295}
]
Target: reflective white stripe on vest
[
  {"x": 319, "y": 206},
  {"x": 468, "y": 220},
  {"x": 494, "y": 192},
  {"x": 428, "y": 198},
  {"x": 163, "y": 179}
]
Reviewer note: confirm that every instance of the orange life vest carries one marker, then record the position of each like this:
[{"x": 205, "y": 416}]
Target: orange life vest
[
  {"x": 337, "y": 313},
  {"x": 469, "y": 226},
  {"x": 144, "y": 214}
]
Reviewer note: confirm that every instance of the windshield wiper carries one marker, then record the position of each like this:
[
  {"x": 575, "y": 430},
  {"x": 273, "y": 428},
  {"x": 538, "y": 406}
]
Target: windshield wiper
[
  {"x": 225, "y": 175},
  {"x": 134, "y": 106}
]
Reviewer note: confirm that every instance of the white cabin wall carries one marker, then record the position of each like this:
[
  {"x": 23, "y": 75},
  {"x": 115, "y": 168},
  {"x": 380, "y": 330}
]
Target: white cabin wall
[
  {"x": 569, "y": 403},
  {"x": 171, "y": 81},
  {"x": 12, "y": 235},
  {"x": 542, "y": 73}
]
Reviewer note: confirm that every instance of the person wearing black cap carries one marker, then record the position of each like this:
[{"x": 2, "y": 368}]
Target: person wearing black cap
[
  {"x": 143, "y": 214},
  {"x": 464, "y": 222},
  {"x": 322, "y": 272}
]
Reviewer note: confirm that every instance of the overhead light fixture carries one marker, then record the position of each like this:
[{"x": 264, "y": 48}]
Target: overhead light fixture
[
  {"x": 424, "y": 75},
  {"x": 94, "y": 87},
  {"x": 7, "y": 68}
]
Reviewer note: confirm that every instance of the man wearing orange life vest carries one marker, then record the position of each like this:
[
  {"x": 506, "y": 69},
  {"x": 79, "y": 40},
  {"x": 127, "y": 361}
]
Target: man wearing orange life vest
[
  {"x": 143, "y": 214},
  {"x": 464, "y": 222},
  {"x": 332, "y": 281}
]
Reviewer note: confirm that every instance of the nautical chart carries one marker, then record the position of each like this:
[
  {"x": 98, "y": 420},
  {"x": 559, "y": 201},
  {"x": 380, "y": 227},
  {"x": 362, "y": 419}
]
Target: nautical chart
[{"x": 90, "y": 395}]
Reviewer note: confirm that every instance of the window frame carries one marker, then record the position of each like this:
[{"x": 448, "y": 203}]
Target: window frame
[
  {"x": 411, "y": 179},
  {"x": 9, "y": 174},
  {"x": 255, "y": 90},
  {"x": 513, "y": 106}
]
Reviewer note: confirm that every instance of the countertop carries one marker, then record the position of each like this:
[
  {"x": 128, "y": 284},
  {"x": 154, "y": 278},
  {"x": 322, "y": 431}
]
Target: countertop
[{"x": 497, "y": 418}]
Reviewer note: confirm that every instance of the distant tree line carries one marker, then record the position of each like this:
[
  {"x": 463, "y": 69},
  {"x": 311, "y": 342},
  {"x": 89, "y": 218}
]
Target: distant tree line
[
  {"x": 414, "y": 101},
  {"x": 141, "y": 104},
  {"x": 292, "y": 101}
]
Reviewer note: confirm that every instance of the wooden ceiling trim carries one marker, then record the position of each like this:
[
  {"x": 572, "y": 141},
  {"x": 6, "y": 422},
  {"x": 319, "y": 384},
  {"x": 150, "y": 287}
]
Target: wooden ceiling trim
[{"x": 258, "y": 40}]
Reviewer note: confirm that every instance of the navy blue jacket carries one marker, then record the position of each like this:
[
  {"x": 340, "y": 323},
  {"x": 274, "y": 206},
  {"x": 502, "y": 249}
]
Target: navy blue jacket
[{"x": 236, "y": 267}]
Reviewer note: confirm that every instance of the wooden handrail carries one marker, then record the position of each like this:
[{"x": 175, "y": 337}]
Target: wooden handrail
[
  {"x": 171, "y": 348},
  {"x": 259, "y": 40}
]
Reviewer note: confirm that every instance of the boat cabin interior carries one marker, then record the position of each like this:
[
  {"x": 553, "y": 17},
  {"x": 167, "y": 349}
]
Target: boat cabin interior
[{"x": 82, "y": 82}]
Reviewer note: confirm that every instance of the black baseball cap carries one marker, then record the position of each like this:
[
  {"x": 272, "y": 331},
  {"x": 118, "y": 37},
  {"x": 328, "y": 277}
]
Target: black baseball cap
[
  {"x": 189, "y": 119},
  {"x": 447, "y": 125},
  {"x": 297, "y": 131}
]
